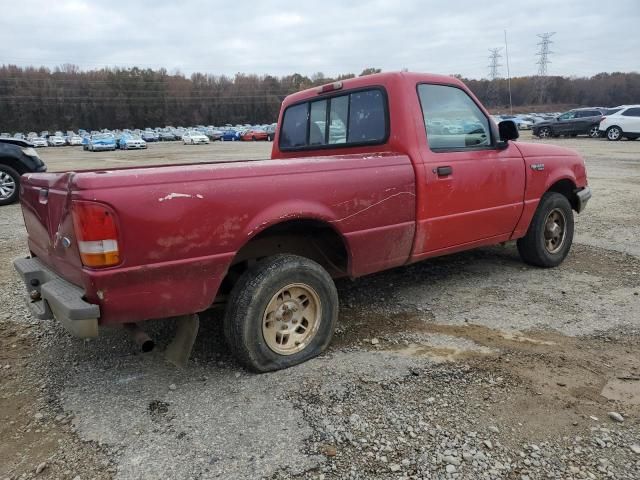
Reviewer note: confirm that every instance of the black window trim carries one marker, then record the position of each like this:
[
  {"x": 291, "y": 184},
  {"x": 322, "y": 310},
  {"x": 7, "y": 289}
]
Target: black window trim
[
  {"x": 492, "y": 132},
  {"x": 328, "y": 97}
]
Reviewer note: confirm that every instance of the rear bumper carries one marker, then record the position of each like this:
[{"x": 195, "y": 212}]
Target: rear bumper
[
  {"x": 50, "y": 296},
  {"x": 583, "y": 195}
]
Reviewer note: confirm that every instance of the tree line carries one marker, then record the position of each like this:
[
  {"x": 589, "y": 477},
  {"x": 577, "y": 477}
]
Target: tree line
[{"x": 69, "y": 98}]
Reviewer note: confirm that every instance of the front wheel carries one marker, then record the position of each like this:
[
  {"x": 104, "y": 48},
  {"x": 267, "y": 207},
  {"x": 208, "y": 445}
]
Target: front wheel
[
  {"x": 594, "y": 131},
  {"x": 544, "y": 132},
  {"x": 550, "y": 234},
  {"x": 281, "y": 312},
  {"x": 9, "y": 185},
  {"x": 614, "y": 134}
]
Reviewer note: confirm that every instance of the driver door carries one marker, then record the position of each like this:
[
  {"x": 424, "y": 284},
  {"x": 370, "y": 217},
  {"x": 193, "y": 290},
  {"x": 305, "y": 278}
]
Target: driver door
[
  {"x": 473, "y": 189},
  {"x": 565, "y": 123}
]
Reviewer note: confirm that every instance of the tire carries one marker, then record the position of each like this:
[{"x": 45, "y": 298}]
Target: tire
[
  {"x": 541, "y": 246},
  {"x": 594, "y": 131},
  {"x": 544, "y": 132},
  {"x": 9, "y": 185},
  {"x": 253, "y": 138},
  {"x": 262, "y": 287},
  {"x": 613, "y": 133}
]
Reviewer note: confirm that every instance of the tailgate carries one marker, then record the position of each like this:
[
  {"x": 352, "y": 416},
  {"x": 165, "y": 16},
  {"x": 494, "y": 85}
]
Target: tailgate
[{"x": 46, "y": 206}]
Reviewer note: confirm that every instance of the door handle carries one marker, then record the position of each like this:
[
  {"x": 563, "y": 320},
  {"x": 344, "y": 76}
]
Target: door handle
[{"x": 444, "y": 171}]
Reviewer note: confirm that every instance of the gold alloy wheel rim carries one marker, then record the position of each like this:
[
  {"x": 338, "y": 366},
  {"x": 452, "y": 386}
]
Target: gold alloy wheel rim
[
  {"x": 555, "y": 230},
  {"x": 291, "y": 319}
]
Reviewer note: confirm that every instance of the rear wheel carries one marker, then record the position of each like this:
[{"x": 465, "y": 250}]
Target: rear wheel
[
  {"x": 594, "y": 131},
  {"x": 614, "y": 133},
  {"x": 550, "y": 234},
  {"x": 281, "y": 312}
]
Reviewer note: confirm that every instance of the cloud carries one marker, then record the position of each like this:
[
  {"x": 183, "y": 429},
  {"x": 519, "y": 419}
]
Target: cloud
[{"x": 332, "y": 36}]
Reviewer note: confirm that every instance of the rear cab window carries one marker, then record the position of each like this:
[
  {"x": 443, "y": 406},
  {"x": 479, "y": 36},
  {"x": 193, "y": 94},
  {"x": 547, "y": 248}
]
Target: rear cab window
[{"x": 346, "y": 119}]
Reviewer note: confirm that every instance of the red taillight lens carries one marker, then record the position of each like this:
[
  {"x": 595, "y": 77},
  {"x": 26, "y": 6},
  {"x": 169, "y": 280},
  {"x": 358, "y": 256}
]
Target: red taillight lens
[{"x": 97, "y": 232}]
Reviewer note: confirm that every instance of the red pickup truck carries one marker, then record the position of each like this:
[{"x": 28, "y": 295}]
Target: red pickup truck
[{"x": 365, "y": 175}]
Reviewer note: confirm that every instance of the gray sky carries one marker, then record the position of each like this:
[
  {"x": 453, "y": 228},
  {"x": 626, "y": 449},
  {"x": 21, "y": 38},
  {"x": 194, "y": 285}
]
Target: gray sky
[{"x": 286, "y": 36}]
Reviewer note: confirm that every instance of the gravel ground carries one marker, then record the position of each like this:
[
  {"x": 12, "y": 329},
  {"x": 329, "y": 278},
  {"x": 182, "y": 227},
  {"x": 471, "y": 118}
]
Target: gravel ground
[{"x": 467, "y": 366}]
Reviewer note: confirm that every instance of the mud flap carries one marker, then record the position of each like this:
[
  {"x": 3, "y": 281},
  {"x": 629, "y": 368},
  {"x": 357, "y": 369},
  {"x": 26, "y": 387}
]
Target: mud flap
[{"x": 179, "y": 350}]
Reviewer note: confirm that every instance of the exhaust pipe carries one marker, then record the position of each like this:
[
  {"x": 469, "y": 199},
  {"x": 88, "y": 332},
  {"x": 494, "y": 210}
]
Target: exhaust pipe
[{"x": 139, "y": 336}]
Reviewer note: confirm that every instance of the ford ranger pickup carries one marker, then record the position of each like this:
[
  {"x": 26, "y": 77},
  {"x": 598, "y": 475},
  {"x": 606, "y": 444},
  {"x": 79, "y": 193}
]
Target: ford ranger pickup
[{"x": 365, "y": 175}]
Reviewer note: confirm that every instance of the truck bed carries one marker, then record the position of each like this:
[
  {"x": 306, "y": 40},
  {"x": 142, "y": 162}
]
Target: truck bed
[{"x": 181, "y": 226}]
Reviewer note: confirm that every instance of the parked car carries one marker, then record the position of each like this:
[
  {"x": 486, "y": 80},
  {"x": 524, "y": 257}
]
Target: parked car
[
  {"x": 193, "y": 137},
  {"x": 17, "y": 157},
  {"x": 101, "y": 141},
  {"x": 253, "y": 135},
  {"x": 624, "y": 122},
  {"x": 267, "y": 238},
  {"x": 230, "y": 135},
  {"x": 130, "y": 141},
  {"x": 74, "y": 140},
  {"x": 166, "y": 136},
  {"x": 213, "y": 134},
  {"x": 149, "y": 136},
  {"x": 56, "y": 141},
  {"x": 39, "y": 142},
  {"x": 580, "y": 121},
  {"x": 271, "y": 132}
]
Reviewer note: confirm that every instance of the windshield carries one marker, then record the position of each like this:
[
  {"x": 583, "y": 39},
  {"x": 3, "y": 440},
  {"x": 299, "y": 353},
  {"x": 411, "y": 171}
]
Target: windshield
[{"x": 102, "y": 136}]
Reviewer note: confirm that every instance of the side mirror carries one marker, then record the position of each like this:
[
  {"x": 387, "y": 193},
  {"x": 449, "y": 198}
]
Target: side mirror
[{"x": 508, "y": 130}]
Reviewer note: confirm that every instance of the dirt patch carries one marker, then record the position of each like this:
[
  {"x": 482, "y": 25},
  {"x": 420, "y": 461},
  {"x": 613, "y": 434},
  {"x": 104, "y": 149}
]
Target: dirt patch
[{"x": 33, "y": 429}]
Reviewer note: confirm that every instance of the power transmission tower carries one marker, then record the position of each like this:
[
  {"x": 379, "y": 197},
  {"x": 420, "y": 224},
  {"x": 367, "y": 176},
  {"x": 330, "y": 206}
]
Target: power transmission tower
[
  {"x": 494, "y": 74},
  {"x": 543, "y": 61}
]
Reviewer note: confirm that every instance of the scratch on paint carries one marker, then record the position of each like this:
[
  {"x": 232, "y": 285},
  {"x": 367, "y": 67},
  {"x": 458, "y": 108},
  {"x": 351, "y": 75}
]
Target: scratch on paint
[
  {"x": 171, "y": 196},
  {"x": 371, "y": 206}
]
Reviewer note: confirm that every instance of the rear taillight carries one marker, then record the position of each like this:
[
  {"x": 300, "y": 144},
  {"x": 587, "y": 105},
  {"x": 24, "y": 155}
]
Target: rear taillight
[
  {"x": 97, "y": 232},
  {"x": 602, "y": 118}
]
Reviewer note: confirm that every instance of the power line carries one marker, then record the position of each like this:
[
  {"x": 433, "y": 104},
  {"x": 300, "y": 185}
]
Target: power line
[{"x": 543, "y": 52}]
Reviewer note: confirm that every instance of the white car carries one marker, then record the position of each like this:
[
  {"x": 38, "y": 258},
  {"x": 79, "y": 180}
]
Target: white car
[
  {"x": 38, "y": 142},
  {"x": 132, "y": 142},
  {"x": 624, "y": 123},
  {"x": 193, "y": 137},
  {"x": 56, "y": 141},
  {"x": 74, "y": 140}
]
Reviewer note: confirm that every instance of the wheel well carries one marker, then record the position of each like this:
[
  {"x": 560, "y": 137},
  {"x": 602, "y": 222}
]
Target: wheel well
[
  {"x": 311, "y": 239},
  {"x": 13, "y": 163},
  {"x": 567, "y": 188}
]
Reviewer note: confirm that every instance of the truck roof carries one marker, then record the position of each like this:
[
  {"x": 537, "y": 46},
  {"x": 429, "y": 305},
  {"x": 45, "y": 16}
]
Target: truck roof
[{"x": 369, "y": 80}]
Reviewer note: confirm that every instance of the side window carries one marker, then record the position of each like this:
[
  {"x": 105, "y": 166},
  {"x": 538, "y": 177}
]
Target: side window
[
  {"x": 338, "y": 119},
  {"x": 294, "y": 126},
  {"x": 366, "y": 117},
  {"x": 317, "y": 122},
  {"x": 567, "y": 116},
  {"x": 632, "y": 112},
  {"x": 452, "y": 120},
  {"x": 348, "y": 119}
]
